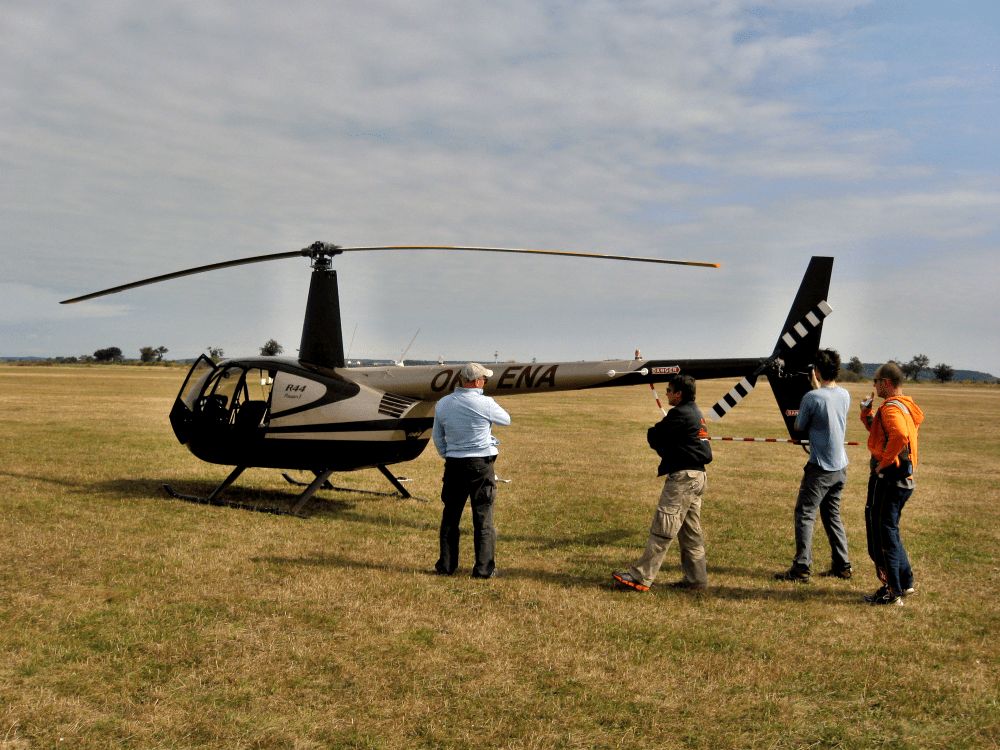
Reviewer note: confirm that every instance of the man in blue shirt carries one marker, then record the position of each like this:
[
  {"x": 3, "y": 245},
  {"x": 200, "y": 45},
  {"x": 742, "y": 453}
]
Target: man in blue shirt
[
  {"x": 823, "y": 414},
  {"x": 462, "y": 422}
]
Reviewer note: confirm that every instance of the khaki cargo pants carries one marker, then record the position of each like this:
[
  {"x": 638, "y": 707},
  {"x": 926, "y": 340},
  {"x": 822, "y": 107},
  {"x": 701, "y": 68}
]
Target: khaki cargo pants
[{"x": 678, "y": 515}]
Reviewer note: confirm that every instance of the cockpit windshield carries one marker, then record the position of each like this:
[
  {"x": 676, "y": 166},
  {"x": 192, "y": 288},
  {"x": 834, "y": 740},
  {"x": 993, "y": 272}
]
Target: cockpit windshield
[{"x": 195, "y": 381}]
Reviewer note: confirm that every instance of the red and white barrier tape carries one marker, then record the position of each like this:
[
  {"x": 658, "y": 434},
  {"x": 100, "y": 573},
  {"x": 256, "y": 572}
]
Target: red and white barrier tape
[{"x": 729, "y": 439}]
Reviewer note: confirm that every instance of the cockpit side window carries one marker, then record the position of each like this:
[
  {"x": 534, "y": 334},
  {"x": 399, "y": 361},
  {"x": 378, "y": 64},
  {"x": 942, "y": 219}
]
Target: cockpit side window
[
  {"x": 225, "y": 392},
  {"x": 238, "y": 396},
  {"x": 259, "y": 384}
]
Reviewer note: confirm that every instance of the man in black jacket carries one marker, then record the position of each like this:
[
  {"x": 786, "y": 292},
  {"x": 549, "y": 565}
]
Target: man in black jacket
[{"x": 682, "y": 443}]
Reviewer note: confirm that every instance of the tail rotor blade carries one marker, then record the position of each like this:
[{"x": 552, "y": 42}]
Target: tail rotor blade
[
  {"x": 790, "y": 338},
  {"x": 736, "y": 394}
]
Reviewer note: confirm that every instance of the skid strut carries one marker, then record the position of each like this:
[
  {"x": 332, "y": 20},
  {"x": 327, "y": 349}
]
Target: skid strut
[
  {"x": 214, "y": 499},
  {"x": 321, "y": 481},
  {"x": 396, "y": 482}
]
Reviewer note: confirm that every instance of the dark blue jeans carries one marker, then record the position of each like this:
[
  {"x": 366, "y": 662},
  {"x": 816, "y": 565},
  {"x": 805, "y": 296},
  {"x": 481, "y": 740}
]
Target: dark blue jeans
[
  {"x": 885, "y": 546},
  {"x": 468, "y": 479}
]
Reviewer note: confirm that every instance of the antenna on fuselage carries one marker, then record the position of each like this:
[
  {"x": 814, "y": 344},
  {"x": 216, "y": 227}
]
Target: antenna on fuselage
[{"x": 402, "y": 357}]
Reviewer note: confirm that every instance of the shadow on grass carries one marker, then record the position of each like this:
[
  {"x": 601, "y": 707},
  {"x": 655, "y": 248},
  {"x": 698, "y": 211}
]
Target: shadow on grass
[
  {"x": 36, "y": 478},
  {"x": 234, "y": 497},
  {"x": 785, "y": 593},
  {"x": 237, "y": 497},
  {"x": 567, "y": 580},
  {"x": 605, "y": 537}
]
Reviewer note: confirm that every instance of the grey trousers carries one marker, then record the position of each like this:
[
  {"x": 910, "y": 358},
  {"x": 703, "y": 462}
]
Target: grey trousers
[
  {"x": 820, "y": 490},
  {"x": 678, "y": 515}
]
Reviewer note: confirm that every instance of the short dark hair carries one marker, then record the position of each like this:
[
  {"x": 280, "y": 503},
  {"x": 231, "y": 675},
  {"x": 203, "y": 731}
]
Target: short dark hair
[
  {"x": 892, "y": 372},
  {"x": 684, "y": 385},
  {"x": 827, "y": 363}
]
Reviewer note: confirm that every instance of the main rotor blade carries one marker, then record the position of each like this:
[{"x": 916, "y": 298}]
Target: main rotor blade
[
  {"x": 567, "y": 253},
  {"x": 328, "y": 250},
  {"x": 188, "y": 272}
]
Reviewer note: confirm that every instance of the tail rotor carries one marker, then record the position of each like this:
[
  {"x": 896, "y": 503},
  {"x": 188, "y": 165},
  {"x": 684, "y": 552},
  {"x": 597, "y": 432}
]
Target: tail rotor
[
  {"x": 789, "y": 366},
  {"x": 736, "y": 394}
]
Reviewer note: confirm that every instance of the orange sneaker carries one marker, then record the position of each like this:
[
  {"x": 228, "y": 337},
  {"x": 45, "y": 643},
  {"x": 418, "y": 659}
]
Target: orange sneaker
[{"x": 626, "y": 582}]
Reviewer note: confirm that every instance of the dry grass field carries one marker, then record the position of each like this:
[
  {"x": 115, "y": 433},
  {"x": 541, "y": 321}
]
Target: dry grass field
[{"x": 132, "y": 620}]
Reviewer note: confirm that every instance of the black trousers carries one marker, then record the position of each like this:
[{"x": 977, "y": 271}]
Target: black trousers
[{"x": 468, "y": 479}]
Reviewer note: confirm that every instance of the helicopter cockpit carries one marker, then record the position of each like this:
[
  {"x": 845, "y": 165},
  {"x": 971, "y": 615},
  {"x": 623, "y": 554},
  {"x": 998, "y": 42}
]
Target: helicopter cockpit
[
  {"x": 234, "y": 397},
  {"x": 238, "y": 396}
]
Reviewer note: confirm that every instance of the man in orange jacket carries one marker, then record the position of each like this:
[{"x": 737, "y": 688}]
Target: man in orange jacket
[{"x": 892, "y": 442}]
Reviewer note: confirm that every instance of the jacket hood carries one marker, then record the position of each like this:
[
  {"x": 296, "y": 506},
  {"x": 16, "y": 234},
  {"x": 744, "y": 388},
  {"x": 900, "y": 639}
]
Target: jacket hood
[{"x": 915, "y": 411}]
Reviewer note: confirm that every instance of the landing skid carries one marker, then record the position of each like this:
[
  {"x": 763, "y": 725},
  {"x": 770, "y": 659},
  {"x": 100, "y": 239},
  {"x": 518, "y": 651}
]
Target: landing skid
[
  {"x": 396, "y": 482},
  {"x": 213, "y": 498}
]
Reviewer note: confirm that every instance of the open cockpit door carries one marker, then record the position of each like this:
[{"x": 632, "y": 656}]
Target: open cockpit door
[{"x": 182, "y": 413}]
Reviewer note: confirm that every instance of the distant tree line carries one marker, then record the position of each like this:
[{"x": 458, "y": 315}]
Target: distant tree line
[
  {"x": 153, "y": 354},
  {"x": 913, "y": 370}
]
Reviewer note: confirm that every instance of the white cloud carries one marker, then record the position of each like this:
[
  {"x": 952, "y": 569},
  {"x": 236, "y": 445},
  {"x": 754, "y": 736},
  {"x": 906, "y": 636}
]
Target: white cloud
[
  {"x": 25, "y": 303},
  {"x": 139, "y": 139}
]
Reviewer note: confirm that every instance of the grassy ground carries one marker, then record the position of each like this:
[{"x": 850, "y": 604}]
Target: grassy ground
[{"x": 132, "y": 620}]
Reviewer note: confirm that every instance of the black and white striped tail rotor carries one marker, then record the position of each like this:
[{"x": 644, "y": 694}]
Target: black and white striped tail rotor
[
  {"x": 736, "y": 394},
  {"x": 790, "y": 339}
]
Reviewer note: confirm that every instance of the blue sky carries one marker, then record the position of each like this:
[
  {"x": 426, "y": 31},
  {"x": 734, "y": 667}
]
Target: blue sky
[{"x": 139, "y": 138}]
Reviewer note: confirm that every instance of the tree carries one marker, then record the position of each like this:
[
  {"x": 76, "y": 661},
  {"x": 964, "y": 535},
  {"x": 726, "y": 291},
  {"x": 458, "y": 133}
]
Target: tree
[
  {"x": 915, "y": 366},
  {"x": 151, "y": 354},
  {"x": 215, "y": 353},
  {"x": 855, "y": 366},
  {"x": 111, "y": 354},
  {"x": 271, "y": 349},
  {"x": 943, "y": 373}
]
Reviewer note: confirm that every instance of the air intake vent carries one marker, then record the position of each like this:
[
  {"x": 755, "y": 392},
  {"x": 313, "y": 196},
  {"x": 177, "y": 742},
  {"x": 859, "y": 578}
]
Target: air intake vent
[{"x": 394, "y": 406}]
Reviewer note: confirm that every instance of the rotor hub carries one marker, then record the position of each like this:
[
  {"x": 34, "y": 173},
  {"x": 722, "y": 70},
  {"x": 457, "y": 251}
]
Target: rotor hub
[{"x": 321, "y": 255}]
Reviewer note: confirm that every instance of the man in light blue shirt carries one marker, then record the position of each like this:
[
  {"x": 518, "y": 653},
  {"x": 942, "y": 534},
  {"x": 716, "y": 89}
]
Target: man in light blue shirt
[
  {"x": 462, "y": 422},
  {"x": 823, "y": 415}
]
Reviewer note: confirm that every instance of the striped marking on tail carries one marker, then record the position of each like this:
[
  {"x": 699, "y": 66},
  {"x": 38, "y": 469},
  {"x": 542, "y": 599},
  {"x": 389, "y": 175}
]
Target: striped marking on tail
[
  {"x": 805, "y": 326},
  {"x": 736, "y": 394},
  {"x": 790, "y": 338}
]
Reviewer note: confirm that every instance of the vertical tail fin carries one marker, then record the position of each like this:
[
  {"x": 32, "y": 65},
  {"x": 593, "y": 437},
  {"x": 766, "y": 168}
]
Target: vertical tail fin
[{"x": 790, "y": 363}]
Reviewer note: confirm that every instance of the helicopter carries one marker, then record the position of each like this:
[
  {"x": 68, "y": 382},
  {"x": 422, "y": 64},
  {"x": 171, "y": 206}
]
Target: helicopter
[{"x": 314, "y": 414}]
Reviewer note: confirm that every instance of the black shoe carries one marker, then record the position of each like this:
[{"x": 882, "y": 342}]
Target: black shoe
[
  {"x": 493, "y": 574},
  {"x": 798, "y": 575},
  {"x": 844, "y": 573},
  {"x": 441, "y": 571},
  {"x": 887, "y": 599},
  {"x": 877, "y": 594}
]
